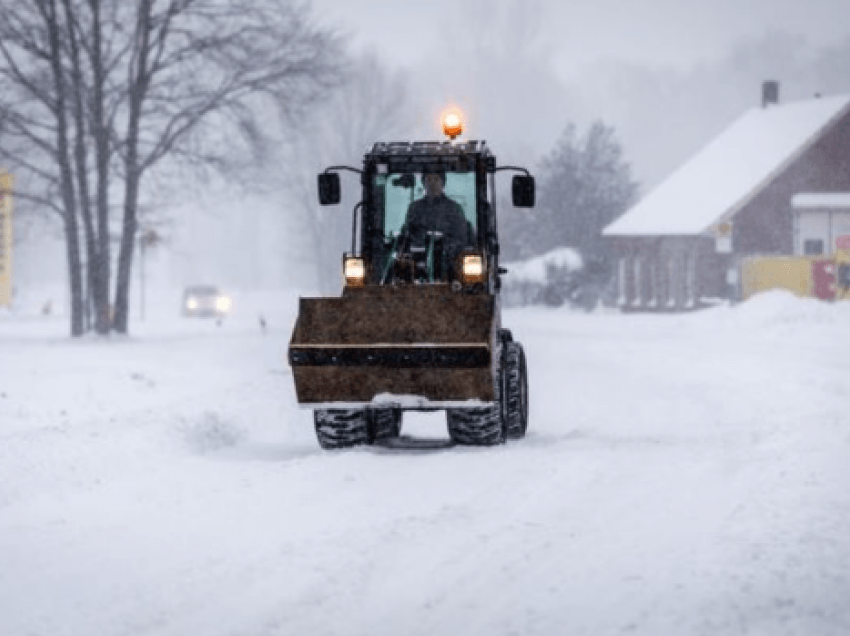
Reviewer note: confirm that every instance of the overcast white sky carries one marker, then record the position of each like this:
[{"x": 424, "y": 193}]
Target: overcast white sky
[
  {"x": 675, "y": 32},
  {"x": 575, "y": 60}
]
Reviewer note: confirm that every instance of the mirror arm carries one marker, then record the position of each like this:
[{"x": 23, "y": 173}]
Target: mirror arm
[
  {"x": 327, "y": 170},
  {"x": 493, "y": 243},
  {"x": 354, "y": 227},
  {"x": 515, "y": 168}
]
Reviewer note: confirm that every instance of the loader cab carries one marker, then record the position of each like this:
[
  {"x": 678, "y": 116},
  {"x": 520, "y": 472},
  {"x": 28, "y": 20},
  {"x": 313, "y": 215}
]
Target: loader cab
[{"x": 393, "y": 186}]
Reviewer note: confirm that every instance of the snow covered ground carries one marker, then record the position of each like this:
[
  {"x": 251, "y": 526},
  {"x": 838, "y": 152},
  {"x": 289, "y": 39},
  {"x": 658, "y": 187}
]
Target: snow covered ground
[{"x": 683, "y": 474}]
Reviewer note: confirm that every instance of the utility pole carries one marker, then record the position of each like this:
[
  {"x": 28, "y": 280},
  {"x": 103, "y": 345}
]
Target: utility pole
[{"x": 147, "y": 238}]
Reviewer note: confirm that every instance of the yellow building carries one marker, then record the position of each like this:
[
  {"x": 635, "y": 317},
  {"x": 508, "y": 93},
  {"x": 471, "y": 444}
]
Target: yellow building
[
  {"x": 6, "y": 182},
  {"x": 827, "y": 278}
]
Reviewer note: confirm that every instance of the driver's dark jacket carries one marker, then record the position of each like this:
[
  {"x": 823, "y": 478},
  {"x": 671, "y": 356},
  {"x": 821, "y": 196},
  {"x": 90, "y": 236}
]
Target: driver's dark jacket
[{"x": 439, "y": 214}]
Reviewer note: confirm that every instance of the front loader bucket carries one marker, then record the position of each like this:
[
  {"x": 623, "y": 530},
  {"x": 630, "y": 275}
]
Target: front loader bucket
[{"x": 412, "y": 345}]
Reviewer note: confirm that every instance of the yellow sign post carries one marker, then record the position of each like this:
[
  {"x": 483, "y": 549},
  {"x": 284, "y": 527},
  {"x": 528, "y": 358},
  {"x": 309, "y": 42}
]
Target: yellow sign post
[
  {"x": 723, "y": 237},
  {"x": 6, "y": 182}
]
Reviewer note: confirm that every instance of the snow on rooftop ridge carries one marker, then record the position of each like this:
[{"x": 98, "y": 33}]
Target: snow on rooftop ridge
[
  {"x": 720, "y": 178},
  {"x": 534, "y": 269},
  {"x": 821, "y": 200}
]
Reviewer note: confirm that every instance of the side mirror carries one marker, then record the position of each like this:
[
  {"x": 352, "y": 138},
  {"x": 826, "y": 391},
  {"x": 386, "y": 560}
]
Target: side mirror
[
  {"x": 329, "y": 190},
  {"x": 523, "y": 191}
]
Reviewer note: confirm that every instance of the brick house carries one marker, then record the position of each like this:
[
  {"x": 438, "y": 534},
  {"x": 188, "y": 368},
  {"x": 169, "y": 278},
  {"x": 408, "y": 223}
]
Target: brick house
[{"x": 775, "y": 182}]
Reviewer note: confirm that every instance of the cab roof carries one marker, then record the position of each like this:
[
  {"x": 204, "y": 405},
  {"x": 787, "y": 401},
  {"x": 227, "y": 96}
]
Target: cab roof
[{"x": 411, "y": 155}]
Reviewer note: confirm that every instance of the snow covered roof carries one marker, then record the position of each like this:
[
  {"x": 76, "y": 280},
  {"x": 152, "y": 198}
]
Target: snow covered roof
[
  {"x": 726, "y": 173},
  {"x": 821, "y": 200}
]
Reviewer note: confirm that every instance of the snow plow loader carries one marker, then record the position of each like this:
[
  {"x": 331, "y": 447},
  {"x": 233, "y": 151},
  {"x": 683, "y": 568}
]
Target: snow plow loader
[{"x": 418, "y": 324}]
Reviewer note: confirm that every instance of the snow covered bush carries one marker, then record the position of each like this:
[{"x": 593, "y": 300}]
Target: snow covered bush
[
  {"x": 556, "y": 278},
  {"x": 548, "y": 279}
]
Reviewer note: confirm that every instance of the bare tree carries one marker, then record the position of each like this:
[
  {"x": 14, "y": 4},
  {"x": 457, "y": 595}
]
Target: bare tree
[
  {"x": 36, "y": 120},
  {"x": 139, "y": 84}
]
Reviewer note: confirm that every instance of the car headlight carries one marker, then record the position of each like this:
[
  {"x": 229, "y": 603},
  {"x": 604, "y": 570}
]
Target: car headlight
[
  {"x": 222, "y": 303},
  {"x": 192, "y": 304},
  {"x": 472, "y": 269},
  {"x": 354, "y": 269}
]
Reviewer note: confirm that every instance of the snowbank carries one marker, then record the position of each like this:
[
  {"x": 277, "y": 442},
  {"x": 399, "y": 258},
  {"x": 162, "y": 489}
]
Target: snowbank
[{"x": 778, "y": 309}]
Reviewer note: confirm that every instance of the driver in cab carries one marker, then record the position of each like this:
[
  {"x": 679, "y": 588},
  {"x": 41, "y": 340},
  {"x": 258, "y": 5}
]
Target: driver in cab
[{"x": 435, "y": 212}]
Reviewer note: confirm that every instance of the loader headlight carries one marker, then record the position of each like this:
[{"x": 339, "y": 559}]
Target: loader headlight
[
  {"x": 472, "y": 269},
  {"x": 354, "y": 269}
]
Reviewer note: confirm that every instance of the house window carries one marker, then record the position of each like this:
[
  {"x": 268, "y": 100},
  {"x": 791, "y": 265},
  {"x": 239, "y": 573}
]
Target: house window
[{"x": 812, "y": 247}]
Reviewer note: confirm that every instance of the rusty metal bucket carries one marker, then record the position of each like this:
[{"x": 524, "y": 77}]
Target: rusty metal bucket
[{"x": 409, "y": 345}]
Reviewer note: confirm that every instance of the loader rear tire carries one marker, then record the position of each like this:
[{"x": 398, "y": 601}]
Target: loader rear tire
[
  {"x": 341, "y": 428},
  {"x": 516, "y": 390}
]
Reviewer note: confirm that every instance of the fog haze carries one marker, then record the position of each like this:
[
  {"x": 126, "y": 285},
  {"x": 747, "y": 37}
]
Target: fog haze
[
  {"x": 668, "y": 75},
  {"x": 679, "y": 33}
]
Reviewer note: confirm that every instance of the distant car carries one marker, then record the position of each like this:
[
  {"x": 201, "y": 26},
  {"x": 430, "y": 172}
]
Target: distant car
[{"x": 205, "y": 301}]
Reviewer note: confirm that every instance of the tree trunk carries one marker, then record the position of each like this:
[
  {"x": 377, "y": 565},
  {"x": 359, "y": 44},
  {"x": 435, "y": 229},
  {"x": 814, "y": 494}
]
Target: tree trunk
[
  {"x": 72, "y": 240},
  {"x": 133, "y": 174},
  {"x": 100, "y": 133},
  {"x": 75, "y": 276},
  {"x": 125, "y": 253},
  {"x": 95, "y": 287}
]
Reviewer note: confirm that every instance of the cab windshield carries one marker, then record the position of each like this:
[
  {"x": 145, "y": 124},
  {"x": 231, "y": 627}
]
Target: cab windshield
[
  {"x": 428, "y": 231},
  {"x": 395, "y": 192}
]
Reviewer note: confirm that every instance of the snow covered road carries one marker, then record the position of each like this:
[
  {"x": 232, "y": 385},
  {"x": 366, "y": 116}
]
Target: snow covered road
[{"x": 683, "y": 474}]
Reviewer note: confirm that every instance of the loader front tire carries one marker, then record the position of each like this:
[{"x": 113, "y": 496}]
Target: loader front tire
[
  {"x": 341, "y": 428},
  {"x": 385, "y": 424},
  {"x": 479, "y": 426}
]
